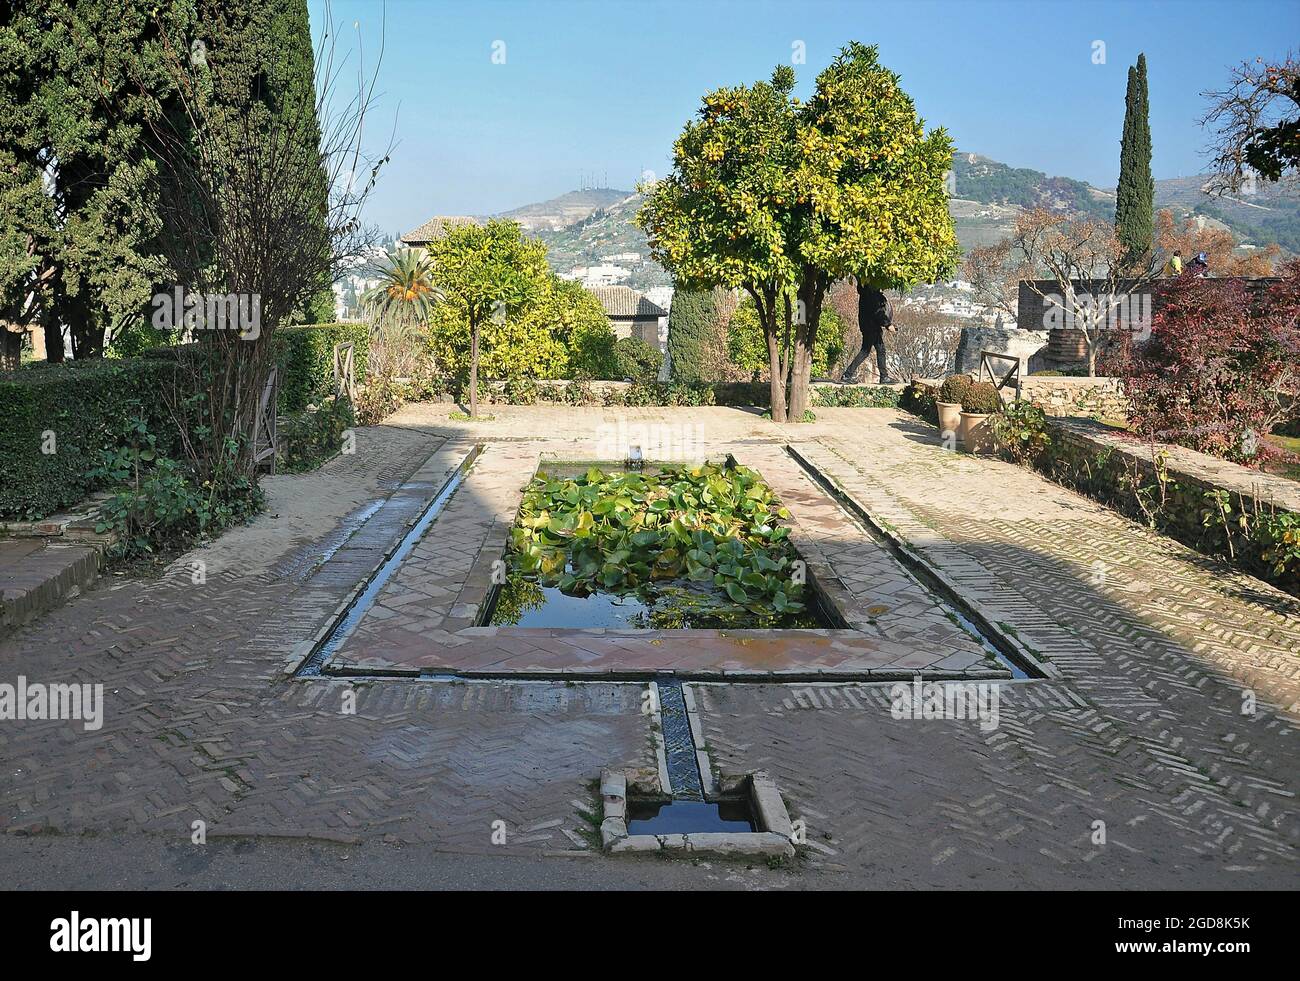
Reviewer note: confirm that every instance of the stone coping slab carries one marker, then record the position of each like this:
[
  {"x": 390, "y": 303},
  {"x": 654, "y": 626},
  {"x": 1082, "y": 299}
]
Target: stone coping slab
[
  {"x": 425, "y": 619},
  {"x": 1210, "y": 471},
  {"x": 774, "y": 838}
]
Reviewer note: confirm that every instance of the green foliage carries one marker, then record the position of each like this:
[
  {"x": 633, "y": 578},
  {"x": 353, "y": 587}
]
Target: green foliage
[
  {"x": 572, "y": 314},
  {"x": 314, "y": 435},
  {"x": 637, "y": 360},
  {"x": 775, "y": 195},
  {"x": 991, "y": 182},
  {"x": 920, "y": 400},
  {"x": 954, "y": 388},
  {"x": 520, "y": 391},
  {"x": 747, "y": 345},
  {"x": 648, "y": 393},
  {"x": 1278, "y": 534},
  {"x": 70, "y": 98},
  {"x": 157, "y": 502},
  {"x": 1135, "y": 193},
  {"x": 1020, "y": 432},
  {"x": 405, "y": 289},
  {"x": 855, "y": 396},
  {"x": 981, "y": 397},
  {"x": 531, "y": 323},
  {"x": 692, "y": 324},
  {"x": 709, "y": 537},
  {"x": 81, "y": 404},
  {"x": 305, "y": 358}
]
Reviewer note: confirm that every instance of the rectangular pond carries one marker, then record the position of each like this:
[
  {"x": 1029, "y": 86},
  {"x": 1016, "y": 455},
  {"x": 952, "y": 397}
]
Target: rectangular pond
[{"x": 672, "y": 547}]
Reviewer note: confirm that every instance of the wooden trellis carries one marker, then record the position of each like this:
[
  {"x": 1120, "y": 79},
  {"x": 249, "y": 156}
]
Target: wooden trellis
[
  {"x": 986, "y": 367},
  {"x": 264, "y": 422},
  {"x": 345, "y": 381}
]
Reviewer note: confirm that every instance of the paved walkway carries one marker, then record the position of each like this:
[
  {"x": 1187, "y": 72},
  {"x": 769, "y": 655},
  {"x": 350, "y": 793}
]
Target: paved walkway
[{"x": 1143, "y": 731}]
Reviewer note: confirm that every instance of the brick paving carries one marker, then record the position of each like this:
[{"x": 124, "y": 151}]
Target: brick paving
[
  {"x": 1143, "y": 730},
  {"x": 424, "y": 617}
]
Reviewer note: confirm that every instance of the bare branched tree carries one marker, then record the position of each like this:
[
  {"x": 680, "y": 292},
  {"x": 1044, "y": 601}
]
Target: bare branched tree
[
  {"x": 995, "y": 273},
  {"x": 923, "y": 344},
  {"x": 262, "y": 180},
  {"x": 1256, "y": 124},
  {"x": 1095, "y": 287}
]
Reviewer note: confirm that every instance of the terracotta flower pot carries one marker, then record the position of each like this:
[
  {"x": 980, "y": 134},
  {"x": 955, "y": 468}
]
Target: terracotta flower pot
[
  {"x": 976, "y": 433},
  {"x": 949, "y": 418}
]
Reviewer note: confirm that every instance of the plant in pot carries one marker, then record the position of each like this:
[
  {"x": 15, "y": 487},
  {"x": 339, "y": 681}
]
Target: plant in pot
[
  {"x": 980, "y": 400},
  {"x": 949, "y": 403}
]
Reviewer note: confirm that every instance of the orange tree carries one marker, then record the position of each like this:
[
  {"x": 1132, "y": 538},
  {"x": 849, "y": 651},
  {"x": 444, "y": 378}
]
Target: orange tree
[{"x": 780, "y": 198}]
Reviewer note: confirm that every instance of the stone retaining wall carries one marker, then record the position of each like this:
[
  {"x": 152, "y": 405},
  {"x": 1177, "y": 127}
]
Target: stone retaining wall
[
  {"x": 1058, "y": 395},
  {"x": 1176, "y": 490},
  {"x": 1063, "y": 395}
]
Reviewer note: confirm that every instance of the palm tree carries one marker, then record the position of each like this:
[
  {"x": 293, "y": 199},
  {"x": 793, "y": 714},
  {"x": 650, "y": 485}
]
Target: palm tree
[{"x": 405, "y": 292}]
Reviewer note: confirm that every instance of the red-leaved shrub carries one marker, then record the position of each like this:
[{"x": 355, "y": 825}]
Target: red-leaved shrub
[{"x": 1221, "y": 366}]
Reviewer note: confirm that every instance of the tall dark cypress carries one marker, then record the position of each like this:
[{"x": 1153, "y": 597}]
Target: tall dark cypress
[
  {"x": 1135, "y": 195},
  {"x": 691, "y": 324}
]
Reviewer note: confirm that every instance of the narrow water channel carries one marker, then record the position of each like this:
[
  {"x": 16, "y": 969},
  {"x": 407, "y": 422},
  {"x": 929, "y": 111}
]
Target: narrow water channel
[
  {"x": 334, "y": 640},
  {"x": 679, "y": 747}
]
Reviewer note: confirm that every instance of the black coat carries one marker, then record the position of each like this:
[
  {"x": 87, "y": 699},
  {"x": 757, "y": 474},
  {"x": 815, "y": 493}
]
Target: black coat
[{"x": 874, "y": 315}]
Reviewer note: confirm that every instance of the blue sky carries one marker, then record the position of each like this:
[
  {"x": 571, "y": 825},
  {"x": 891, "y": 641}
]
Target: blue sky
[{"x": 604, "y": 86}]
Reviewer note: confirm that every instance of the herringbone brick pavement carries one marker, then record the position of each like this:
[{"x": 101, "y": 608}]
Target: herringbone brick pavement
[{"x": 1143, "y": 730}]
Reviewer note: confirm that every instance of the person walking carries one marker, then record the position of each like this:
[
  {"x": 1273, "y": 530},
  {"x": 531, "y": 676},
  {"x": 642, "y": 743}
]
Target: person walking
[{"x": 875, "y": 316}]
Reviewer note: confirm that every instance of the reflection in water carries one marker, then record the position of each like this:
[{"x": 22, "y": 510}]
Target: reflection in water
[{"x": 522, "y": 602}]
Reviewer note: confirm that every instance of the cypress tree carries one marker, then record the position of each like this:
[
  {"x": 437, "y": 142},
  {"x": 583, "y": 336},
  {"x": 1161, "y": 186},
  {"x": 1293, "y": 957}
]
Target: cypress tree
[
  {"x": 1135, "y": 194},
  {"x": 691, "y": 326}
]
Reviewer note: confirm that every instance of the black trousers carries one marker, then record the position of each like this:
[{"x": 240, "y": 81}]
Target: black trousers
[{"x": 870, "y": 339}]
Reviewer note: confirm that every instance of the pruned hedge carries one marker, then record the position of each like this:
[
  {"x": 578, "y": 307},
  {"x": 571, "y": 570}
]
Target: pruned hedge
[
  {"x": 759, "y": 394},
  {"x": 83, "y": 404},
  {"x": 58, "y": 418},
  {"x": 305, "y": 356}
]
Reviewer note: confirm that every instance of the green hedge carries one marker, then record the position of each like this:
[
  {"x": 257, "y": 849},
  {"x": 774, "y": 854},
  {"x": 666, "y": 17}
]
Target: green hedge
[
  {"x": 84, "y": 404},
  {"x": 759, "y": 394},
  {"x": 305, "y": 356}
]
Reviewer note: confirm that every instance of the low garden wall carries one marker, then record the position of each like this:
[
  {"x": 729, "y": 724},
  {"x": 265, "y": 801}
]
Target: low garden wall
[
  {"x": 1214, "y": 506},
  {"x": 755, "y": 394},
  {"x": 1064, "y": 395},
  {"x": 1061, "y": 395}
]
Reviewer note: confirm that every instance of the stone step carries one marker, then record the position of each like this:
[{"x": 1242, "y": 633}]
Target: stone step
[{"x": 36, "y": 576}]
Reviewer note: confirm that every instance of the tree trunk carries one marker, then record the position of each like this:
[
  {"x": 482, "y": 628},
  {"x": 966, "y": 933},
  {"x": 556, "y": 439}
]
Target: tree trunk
[
  {"x": 811, "y": 297},
  {"x": 11, "y": 343},
  {"x": 473, "y": 371},
  {"x": 53, "y": 343},
  {"x": 777, "y": 376}
]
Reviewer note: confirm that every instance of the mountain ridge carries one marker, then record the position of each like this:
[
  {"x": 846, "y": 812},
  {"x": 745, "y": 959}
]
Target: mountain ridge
[{"x": 582, "y": 227}]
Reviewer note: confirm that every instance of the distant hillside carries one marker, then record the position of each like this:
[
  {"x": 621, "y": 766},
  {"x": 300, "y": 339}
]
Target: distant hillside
[
  {"x": 565, "y": 210},
  {"x": 1270, "y": 214},
  {"x": 583, "y": 228},
  {"x": 987, "y": 181},
  {"x": 607, "y": 231}
]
